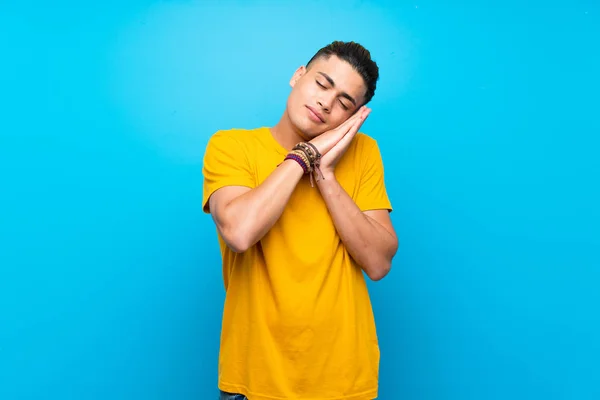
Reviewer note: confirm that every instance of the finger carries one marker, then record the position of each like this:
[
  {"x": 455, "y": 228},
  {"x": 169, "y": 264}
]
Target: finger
[
  {"x": 346, "y": 125},
  {"x": 347, "y": 138},
  {"x": 361, "y": 120},
  {"x": 344, "y": 142},
  {"x": 332, "y": 137},
  {"x": 366, "y": 113}
]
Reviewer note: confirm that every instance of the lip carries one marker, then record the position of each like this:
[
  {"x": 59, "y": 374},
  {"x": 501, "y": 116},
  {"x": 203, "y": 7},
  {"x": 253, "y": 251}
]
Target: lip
[{"x": 318, "y": 117}]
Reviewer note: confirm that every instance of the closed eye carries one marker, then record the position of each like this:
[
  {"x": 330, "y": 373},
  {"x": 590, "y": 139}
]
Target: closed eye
[{"x": 341, "y": 102}]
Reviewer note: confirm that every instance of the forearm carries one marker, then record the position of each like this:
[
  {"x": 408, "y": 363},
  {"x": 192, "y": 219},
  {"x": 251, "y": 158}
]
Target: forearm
[
  {"x": 368, "y": 242},
  {"x": 248, "y": 217}
]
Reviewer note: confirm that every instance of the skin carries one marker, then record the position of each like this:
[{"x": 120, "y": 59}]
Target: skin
[{"x": 334, "y": 90}]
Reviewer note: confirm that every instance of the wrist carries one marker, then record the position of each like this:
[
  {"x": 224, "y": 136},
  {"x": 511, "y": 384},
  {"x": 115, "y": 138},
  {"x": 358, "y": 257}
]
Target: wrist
[
  {"x": 297, "y": 158},
  {"x": 308, "y": 157},
  {"x": 327, "y": 176}
]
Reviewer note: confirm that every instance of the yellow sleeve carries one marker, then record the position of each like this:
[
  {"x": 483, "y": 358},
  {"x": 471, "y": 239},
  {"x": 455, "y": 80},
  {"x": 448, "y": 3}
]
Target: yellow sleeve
[
  {"x": 372, "y": 193},
  {"x": 225, "y": 164}
]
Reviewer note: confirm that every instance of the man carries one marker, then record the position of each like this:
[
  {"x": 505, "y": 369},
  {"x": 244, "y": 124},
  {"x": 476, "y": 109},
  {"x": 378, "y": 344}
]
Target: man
[{"x": 301, "y": 211}]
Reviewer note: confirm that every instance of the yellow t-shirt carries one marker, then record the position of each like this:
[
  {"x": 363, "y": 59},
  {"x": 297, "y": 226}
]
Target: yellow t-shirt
[{"x": 297, "y": 321}]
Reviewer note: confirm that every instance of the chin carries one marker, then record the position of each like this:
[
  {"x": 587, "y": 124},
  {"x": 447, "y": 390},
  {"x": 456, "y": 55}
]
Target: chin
[
  {"x": 306, "y": 129},
  {"x": 310, "y": 132}
]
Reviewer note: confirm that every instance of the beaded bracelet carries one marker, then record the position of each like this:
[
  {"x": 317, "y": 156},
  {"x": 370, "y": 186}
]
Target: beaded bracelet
[
  {"x": 311, "y": 159},
  {"x": 300, "y": 159}
]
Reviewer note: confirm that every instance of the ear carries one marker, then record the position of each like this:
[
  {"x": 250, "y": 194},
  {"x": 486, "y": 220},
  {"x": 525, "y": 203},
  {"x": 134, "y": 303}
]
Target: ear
[{"x": 297, "y": 75}]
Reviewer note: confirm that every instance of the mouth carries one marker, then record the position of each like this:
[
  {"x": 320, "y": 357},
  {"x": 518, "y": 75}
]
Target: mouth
[{"x": 315, "y": 115}]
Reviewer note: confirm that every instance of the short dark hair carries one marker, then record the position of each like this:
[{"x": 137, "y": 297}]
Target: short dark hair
[{"x": 357, "y": 56}]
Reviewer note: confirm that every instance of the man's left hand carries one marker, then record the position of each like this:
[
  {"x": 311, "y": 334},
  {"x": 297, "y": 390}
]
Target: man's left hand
[{"x": 331, "y": 158}]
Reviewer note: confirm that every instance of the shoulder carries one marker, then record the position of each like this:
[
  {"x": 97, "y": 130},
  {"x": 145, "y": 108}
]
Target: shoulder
[
  {"x": 235, "y": 142},
  {"x": 363, "y": 140},
  {"x": 366, "y": 147},
  {"x": 235, "y": 134}
]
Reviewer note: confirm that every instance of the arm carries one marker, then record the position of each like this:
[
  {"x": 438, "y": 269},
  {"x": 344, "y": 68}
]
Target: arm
[
  {"x": 243, "y": 215},
  {"x": 369, "y": 236}
]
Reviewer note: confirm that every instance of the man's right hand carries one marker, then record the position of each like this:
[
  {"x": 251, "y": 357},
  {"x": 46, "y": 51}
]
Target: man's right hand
[{"x": 327, "y": 140}]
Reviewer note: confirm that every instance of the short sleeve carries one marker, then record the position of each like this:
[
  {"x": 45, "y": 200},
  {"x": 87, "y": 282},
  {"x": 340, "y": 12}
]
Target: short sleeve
[
  {"x": 226, "y": 163},
  {"x": 372, "y": 193}
]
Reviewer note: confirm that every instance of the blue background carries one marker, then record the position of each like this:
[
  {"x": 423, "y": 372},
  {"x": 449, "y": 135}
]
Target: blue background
[{"x": 488, "y": 119}]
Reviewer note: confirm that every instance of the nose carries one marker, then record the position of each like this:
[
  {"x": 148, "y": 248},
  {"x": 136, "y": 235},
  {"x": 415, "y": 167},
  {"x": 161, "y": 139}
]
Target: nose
[{"x": 325, "y": 105}]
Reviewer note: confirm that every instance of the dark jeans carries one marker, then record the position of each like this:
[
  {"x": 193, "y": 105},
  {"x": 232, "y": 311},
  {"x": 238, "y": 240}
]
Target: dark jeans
[{"x": 231, "y": 396}]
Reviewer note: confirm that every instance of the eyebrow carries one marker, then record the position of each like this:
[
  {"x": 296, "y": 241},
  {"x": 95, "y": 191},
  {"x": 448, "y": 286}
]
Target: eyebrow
[{"x": 332, "y": 83}]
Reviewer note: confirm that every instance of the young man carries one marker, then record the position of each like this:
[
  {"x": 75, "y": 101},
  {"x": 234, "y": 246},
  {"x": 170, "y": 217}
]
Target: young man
[{"x": 301, "y": 210}]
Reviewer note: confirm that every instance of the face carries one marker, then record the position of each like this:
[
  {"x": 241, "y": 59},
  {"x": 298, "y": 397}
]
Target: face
[{"x": 324, "y": 96}]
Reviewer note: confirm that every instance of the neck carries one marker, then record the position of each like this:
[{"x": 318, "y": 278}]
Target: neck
[{"x": 285, "y": 133}]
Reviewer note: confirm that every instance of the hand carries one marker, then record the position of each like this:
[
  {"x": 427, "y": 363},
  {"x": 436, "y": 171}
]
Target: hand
[
  {"x": 327, "y": 140},
  {"x": 339, "y": 139}
]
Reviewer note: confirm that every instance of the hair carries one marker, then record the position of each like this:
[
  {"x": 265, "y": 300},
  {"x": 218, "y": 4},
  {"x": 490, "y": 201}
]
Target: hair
[{"x": 358, "y": 57}]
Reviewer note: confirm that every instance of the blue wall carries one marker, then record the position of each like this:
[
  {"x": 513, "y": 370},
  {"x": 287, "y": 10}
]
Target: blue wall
[{"x": 488, "y": 117}]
